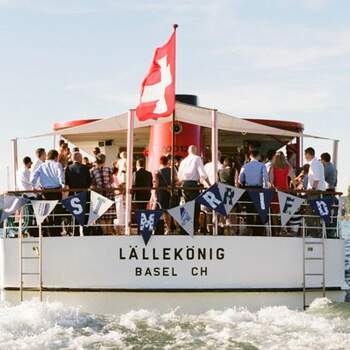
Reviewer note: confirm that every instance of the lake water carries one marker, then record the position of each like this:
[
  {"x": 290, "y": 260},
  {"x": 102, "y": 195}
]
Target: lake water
[{"x": 33, "y": 325}]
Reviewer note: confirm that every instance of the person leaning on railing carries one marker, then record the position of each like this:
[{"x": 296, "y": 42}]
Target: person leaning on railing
[
  {"x": 24, "y": 184},
  {"x": 50, "y": 175},
  {"x": 316, "y": 182},
  {"x": 331, "y": 178},
  {"x": 253, "y": 176}
]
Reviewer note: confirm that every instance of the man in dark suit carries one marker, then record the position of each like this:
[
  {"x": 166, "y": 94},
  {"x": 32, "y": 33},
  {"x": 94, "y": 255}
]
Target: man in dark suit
[
  {"x": 142, "y": 178},
  {"x": 77, "y": 175}
]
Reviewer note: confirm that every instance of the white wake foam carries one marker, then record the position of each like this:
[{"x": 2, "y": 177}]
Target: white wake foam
[{"x": 33, "y": 325}]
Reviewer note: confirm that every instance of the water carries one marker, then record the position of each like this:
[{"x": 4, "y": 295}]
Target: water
[
  {"x": 345, "y": 232},
  {"x": 33, "y": 326}
]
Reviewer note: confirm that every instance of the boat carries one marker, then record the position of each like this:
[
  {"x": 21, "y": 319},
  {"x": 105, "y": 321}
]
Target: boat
[{"x": 113, "y": 274}]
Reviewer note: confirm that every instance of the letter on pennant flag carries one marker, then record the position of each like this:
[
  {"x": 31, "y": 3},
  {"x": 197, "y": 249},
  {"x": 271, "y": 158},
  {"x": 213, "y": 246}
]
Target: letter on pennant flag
[
  {"x": 42, "y": 209},
  {"x": 230, "y": 196},
  {"x": 98, "y": 206},
  {"x": 76, "y": 206},
  {"x": 147, "y": 221},
  {"x": 322, "y": 207},
  {"x": 289, "y": 205},
  {"x": 184, "y": 216},
  {"x": 158, "y": 88},
  {"x": 212, "y": 199},
  {"x": 10, "y": 204},
  {"x": 262, "y": 200}
]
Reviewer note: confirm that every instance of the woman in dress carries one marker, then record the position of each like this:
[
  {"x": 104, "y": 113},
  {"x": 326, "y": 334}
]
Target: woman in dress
[{"x": 280, "y": 173}]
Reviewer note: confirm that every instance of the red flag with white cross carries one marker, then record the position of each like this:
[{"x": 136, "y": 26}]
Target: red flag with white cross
[{"x": 157, "y": 98}]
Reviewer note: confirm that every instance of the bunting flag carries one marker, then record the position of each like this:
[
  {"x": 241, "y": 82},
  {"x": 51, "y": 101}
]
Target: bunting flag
[
  {"x": 42, "y": 209},
  {"x": 212, "y": 199},
  {"x": 147, "y": 221},
  {"x": 230, "y": 196},
  {"x": 10, "y": 204},
  {"x": 220, "y": 198},
  {"x": 289, "y": 205},
  {"x": 76, "y": 206},
  {"x": 322, "y": 207},
  {"x": 184, "y": 216},
  {"x": 98, "y": 206},
  {"x": 262, "y": 200}
]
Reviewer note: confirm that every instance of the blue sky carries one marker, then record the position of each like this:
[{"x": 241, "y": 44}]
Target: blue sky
[{"x": 64, "y": 60}]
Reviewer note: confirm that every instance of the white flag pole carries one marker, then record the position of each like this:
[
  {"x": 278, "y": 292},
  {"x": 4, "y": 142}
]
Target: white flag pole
[
  {"x": 40, "y": 262},
  {"x": 14, "y": 146},
  {"x": 129, "y": 169},
  {"x": 214, "y": 158}
]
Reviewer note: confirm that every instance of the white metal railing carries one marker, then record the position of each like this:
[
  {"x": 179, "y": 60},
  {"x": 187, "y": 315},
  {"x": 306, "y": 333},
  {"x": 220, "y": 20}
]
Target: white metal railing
[{"x": 239, "y": 222}]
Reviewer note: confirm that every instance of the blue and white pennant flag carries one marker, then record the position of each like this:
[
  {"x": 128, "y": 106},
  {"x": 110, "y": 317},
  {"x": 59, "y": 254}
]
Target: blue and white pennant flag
[
  {"x": 220, "y": 198},
  {"x": 147, "y": 221},
  {"x": 184, "y": 216},
  {"x": 76, "y": 206}
]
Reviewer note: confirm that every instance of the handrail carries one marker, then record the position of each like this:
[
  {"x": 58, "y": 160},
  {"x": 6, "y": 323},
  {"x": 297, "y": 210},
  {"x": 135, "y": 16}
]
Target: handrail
[
  {"x": 165, "y": 188},
  {"x": 249, "y": 189},
  {"x": 237, "y": 222}
]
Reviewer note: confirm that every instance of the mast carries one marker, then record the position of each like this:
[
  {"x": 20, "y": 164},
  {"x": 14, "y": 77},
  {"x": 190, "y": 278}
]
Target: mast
[{"x": 172, "y": 170}]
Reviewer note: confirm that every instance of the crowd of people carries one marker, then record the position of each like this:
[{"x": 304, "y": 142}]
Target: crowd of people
[{"x": 65, "y": 172}]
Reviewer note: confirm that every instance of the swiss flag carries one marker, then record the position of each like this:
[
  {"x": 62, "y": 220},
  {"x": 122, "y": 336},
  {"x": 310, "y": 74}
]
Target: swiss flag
[{"x": 158, "y": 88}]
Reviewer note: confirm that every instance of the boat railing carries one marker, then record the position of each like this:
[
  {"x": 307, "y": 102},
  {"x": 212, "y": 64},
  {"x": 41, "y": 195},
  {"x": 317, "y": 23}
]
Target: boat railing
[{"x": 242, "y": 220}]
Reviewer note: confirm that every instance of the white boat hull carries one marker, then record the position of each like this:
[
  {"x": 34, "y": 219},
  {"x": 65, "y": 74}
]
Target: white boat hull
[{"x": 116, "y": 274}]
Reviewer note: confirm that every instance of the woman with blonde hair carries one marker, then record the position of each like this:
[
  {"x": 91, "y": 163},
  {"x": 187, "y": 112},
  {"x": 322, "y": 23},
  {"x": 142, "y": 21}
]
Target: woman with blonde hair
[{"x": 280, "y": 171}]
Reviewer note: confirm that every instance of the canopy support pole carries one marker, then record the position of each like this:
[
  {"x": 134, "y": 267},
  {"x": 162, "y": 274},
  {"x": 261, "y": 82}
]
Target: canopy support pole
[
  {"x": 14, "y": 147},
  {"x": 214, "y": 158},
  {"x": 172, "y": 169},
  {"x": 335, "y": 153},
  {"x": 129, "y": 169},
  {"x": 301, "y": 150}
]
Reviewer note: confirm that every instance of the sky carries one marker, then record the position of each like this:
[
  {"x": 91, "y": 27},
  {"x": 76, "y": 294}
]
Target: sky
[{"x": 73, "y": 59}]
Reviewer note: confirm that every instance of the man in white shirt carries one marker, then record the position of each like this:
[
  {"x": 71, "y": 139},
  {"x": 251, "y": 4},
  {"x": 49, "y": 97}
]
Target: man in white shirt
[
  {"x": 24, "y": 184},
  {"x": 268, "y": 164},
  {"x": 208, "y": 167},
  {"x": 316, "y": 182},
  {"x": 191, "y": 172},
  {"x": 192, "y": 169},
  {"x": 23, "y": 176},
  {"x": 41, "y": 157},
  {"x": 316, "y": 179}
]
